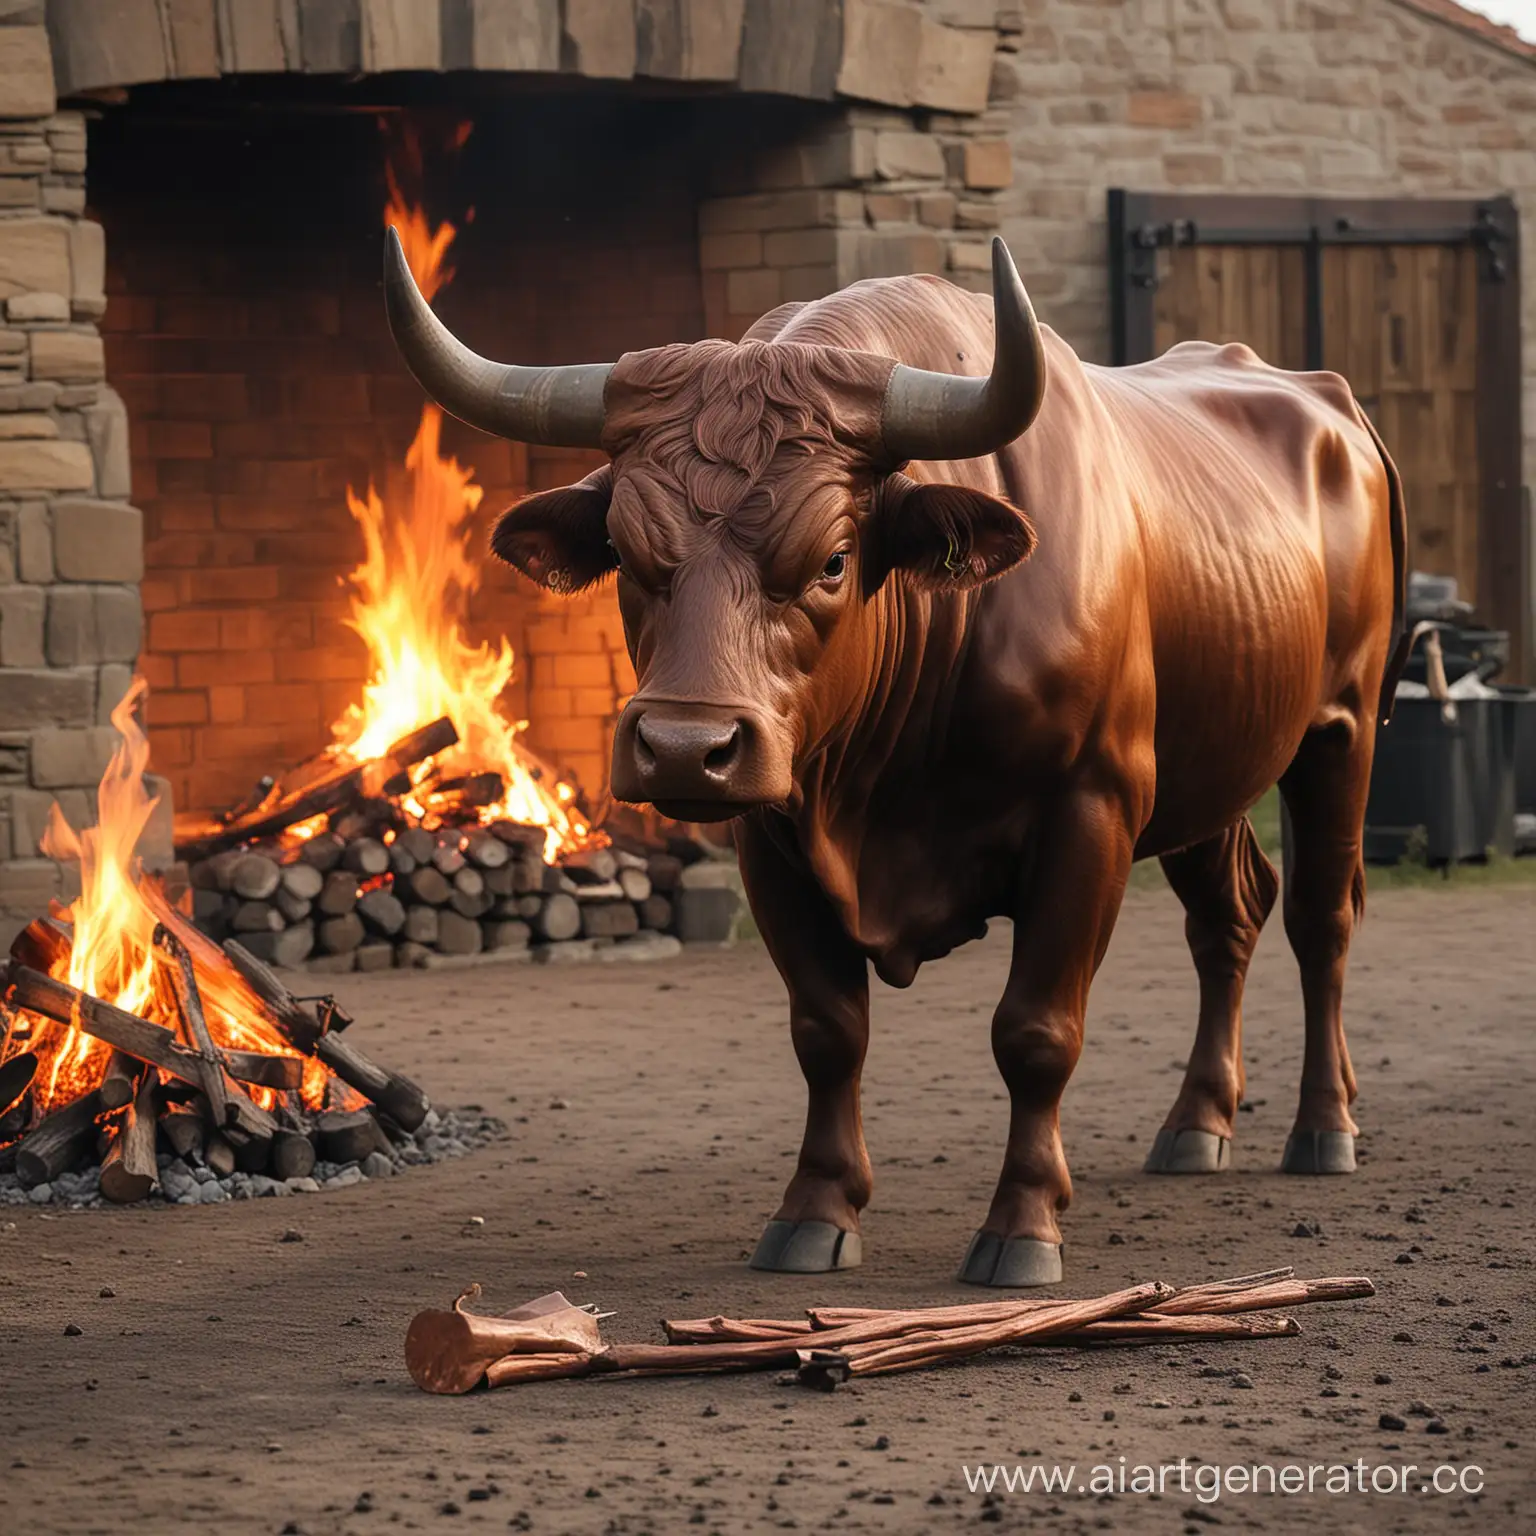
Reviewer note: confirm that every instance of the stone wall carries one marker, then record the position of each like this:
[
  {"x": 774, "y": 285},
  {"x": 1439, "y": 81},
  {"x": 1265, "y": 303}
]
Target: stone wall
[
  {"x": 71, "y": 546},
  {"x": 1322, "y": 97}
]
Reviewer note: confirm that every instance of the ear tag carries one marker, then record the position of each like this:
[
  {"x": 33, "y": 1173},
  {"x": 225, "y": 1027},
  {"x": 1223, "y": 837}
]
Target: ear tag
[{"x": 952, "y": 564}]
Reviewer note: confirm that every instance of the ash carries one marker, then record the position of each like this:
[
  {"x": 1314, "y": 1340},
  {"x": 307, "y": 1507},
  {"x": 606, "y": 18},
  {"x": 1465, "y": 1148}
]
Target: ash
[{"x": 443, "y": 1134}]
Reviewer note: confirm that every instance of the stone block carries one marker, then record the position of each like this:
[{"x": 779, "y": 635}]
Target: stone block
[
  {"x": 192, "y": 38},
  {"x": 96, "y": 540},
  {"x": 112, "y": 686},
  {"x": 752, "y": 292},
  {"x": 90, "y": 625},
  {"x": 35, "y": 256},
  {"x": 908, "y": 156},
  {"x": 28, "y": 885},
  {"x": 96, "y": 45},
  {"x": 970, "y": 256},
  {"x": 21, "y": 626},
  {"x": 71, "y": 758},
  {"x": 1162, "y": 109},
  {"x": 598, "y": 38},
  {"x": 937, "y": 209},
  {"x": 987, "y": 165},
  {"x": 63, "y": 197},
  {"x": 40, "y": 464},
  {"x": 87, "y": 249},
  {"x": 72, "y": 357},
  {"x": 106, "y": 429},
  {"x": 741, "y": 248},
  {"x": 31, "y": 698},
  {"x": 400, "y": 34},
  {"x": 800, "y": 248},
  {"x": 29, "y": 810},
  {"x": 15, "y": 424},
  {"x": 26, "y": 72},
  {"x": 954, "y": 68},
  {"x": 34, "y": 542},
  {"x": 882, "y": 46},
  {"x": 524, "y": 37},
  {"x": 876, "y": 253},
  {"x": 688, "y": 39},
  {"x": 157, "y": 842}
]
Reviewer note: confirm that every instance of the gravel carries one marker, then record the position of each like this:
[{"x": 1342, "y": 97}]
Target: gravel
[{"x": 446, "y": 1134}]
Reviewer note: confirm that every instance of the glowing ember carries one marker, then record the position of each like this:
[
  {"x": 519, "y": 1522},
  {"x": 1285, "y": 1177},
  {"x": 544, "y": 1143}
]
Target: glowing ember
[
  {"x": 410, "y": 598},
  {"x": 113, "y": 957}
]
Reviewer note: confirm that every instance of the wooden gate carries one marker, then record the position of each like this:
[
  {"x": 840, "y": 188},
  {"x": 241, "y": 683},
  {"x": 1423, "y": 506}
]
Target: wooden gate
[{"x": 1416, "y": 303}]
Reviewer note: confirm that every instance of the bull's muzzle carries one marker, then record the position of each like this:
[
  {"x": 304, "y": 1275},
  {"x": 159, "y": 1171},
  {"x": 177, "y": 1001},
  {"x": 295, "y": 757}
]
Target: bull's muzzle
[{"x": 698, "y": 762}]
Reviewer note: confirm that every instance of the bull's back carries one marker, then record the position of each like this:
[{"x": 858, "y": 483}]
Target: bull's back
[{"x": 1262, "y": 501}]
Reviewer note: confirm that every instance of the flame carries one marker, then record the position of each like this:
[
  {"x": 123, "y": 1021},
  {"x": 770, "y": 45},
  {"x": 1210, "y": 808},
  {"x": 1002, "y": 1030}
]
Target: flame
[
  {"x": 113, "y": 956},
  {"x": 409, "y": 599}
]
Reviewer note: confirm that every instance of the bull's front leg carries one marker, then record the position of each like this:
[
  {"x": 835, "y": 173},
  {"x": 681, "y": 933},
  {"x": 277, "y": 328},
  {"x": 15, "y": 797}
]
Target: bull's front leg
[
  {"x": 816, "y": 1227},
  {"x": 1062, "y": 925}
]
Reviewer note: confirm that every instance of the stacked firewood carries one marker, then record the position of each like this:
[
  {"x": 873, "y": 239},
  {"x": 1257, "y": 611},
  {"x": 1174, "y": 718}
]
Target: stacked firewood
[
  {"x": 455, "y": 1351},
  {"x": 368, "y": 890},
  {"x": 178, "y": 1092}
]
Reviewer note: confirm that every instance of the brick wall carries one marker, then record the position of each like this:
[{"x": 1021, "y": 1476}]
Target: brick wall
[
  {"x": 1342, "y": 97},
  {"x": 71, "y": 548},
  {"x": 246, "y": 334}
]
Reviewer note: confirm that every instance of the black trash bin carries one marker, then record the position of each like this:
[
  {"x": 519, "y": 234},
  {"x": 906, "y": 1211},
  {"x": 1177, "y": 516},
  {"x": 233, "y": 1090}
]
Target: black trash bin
[{"x": 1446, "y": 785}]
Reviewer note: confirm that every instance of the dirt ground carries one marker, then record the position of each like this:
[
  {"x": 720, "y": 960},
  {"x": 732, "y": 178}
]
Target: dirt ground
[{"x": 227, "y": 1379}]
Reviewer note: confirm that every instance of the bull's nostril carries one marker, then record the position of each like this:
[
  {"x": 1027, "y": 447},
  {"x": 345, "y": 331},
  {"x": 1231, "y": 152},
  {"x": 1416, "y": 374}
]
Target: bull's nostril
[
  {"x": 719, "y": 758},
  {"x": 643, "y": 748}
]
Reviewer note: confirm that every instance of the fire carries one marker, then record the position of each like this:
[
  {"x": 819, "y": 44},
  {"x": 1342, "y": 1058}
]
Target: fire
[
  {"x": 113, "y": 957},
  {"x": 409, "y": 600}
]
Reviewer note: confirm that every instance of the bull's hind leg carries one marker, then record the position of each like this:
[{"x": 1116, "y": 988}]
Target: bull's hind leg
[
  {"x": 816, "y": 1227},
  {"x": 1325, "y": 791},
  {"x": 1066, "y": 915},
  {"x": 1228, "y": 888}
]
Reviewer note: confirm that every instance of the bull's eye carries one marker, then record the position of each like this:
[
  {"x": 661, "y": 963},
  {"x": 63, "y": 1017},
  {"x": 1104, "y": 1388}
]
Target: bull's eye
[{"x": 835, "y": 567}]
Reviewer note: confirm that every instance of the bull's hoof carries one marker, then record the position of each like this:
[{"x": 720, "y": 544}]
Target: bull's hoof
[
  {"x": 1189, "y": 1152},
  {"x": 807, "y": 1248},
  {"x": 1318, "y": 1152},
  {"x": 1010, "y": 1262}
]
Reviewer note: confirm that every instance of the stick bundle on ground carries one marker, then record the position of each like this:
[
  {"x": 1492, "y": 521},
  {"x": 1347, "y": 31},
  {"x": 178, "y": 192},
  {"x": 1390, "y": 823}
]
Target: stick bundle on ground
[{"x": 455, "y": 1351}]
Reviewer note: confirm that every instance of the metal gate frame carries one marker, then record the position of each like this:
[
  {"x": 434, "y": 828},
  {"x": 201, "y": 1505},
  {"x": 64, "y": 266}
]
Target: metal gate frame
[{"x": 1143, "y": 223}]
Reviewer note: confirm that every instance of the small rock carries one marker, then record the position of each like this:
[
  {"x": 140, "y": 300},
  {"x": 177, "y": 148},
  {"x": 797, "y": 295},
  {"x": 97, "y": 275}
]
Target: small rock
[
  {"x": 1437, "y": 1427},
  {"x": 73, "y": 1330},
  {"x": 40, "y": 1194},
  {"x": 1390, "y": 1421},
  {"x": 1242, "y": 1380},
  {"x": 106, "y": 1293},
  {"x": 377, "y": 1165},
  {"x": 292, "y": 1235},
  {"x": 304, "y": 1186}
]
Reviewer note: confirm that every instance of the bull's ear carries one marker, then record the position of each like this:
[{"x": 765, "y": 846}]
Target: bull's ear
[
  {"x": 560, "y": 538},
  {"x": 948, "y": 537}
]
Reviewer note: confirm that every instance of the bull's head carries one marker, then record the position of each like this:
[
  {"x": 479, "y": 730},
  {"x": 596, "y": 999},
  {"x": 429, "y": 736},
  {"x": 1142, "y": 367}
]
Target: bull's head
[{"x": 753, "y": 509}]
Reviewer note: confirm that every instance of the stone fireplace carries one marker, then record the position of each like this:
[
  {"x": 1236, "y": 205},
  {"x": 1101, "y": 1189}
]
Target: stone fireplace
[{"x": 195, "y": 367}]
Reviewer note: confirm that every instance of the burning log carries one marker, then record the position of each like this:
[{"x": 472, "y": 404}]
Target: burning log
[
  {"x": 58, "y": 1142},
  {"x": 396, "y": 1095},
  {"x": 16, "y": 1076},
  {"x": 42, "y": 944},
  {"x": 333, "y": 790},
  {"x": 120, "y": 1081},
  {"x": 128, "y": 1171},
  {"x": 185, "y": 1127}
]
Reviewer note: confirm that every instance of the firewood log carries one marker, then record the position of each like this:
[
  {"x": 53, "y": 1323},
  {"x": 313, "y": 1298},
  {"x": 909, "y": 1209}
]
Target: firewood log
[
  {"x": 486, "y": 851},
  {"x": 635, "y": 884},
  {"x": 419, "y": 843},
  {"x": 401, "y": 860},
  {"x": 590, "y": 866},
  {"x": 558, "y": 919},
  {"x": 16, "y": 1076},
  {"x": 257, "y": 917},
  {"x": 458, "y": 935},
  {"x": 506, "y": 933},
  {"x": 255, "y": 878},
  {"x": 302, "y": 882},
  {"x": 608, "y": 920},
  {"x": 185, "y": 1126},
  {"x": 293, "y": 908},
  {"x": 219, "y": 1154},
  {"x": 366, "y": 857},
  {"x": 421, "y": 924},
  {"x": 58, "y": 1142},
  {"x": 656, "y": 913},
  {"x": 666, "y": 872},
  {"x": 516, "y": 834},
  {"x": 340, "y": 935},
  {"x": 43, "y": 944},
  {"x": 322, "y": 852},
  {"x": 129, "y": 1171},
  {"x": 382, "y": 911},
  {"x": 348, "y": 1136},
  {"x": 395, "y": 1094},
  {"x": 428, "y": 887},
  {"x": 119, "y": 1080},
  {"x": 447, "y": 857},
  {"x": 293, "y": 1155},
  {"x": 338, "y": 895}
]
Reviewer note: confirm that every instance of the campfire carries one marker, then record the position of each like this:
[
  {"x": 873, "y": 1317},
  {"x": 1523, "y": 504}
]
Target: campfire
[
  {"x": 427, "y": 827},
  {"x": 126, "y": 1035}
]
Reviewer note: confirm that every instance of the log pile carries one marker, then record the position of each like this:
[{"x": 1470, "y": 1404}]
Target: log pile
[
  {"x": 456, "y": 1351},
  {"x": 333, "y": 876},
  {"x": 177, "y": 1092}
]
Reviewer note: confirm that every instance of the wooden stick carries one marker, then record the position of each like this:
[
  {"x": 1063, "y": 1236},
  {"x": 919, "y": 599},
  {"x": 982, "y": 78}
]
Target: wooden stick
[
  {"x": 120, "y": 1081},
  {"x": 43, "y": 944},
  {"x": 1150, "y": 1328},
  {"x": 709, "y": 1330},
  {"x": 129, "y": 1171},
  {"x": 1280, "y": 1293},
  {"x": 395, "y": 1094},
  {"x": 16, "y": 1074}
]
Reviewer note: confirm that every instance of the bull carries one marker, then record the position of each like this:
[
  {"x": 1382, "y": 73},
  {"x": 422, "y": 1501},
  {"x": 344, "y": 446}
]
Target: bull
[{"x": 953, "y": 626}]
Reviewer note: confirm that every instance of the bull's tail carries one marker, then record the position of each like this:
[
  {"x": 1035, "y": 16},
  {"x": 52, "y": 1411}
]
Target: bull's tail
[{"x": 1397, "y": 512}]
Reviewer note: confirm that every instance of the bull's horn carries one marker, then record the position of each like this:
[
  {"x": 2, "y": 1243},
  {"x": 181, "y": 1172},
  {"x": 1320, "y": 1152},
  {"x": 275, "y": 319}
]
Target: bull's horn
[
  {"x": 561, "y": 407},
  {"x": 948, "y": 416}
]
